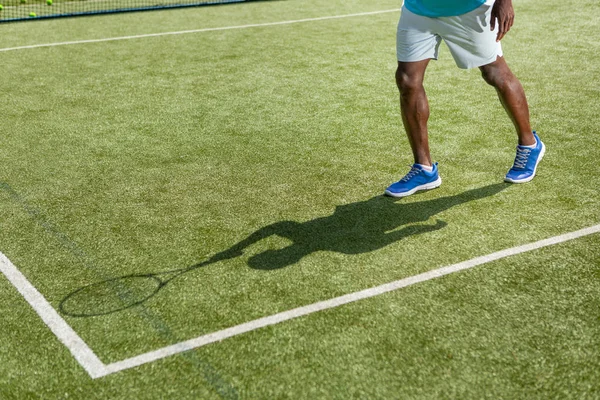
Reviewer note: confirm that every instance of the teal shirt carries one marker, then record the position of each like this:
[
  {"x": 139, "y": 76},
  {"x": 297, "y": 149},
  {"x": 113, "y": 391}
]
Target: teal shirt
[{"x": 442, "y": 8}]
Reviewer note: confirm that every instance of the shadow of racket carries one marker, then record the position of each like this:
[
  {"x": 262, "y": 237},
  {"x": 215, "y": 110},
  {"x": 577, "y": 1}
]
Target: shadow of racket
[{"x": 118, "y": 294}]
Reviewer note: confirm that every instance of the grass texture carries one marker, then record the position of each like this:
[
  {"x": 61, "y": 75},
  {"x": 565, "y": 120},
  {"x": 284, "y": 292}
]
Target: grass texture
[{"x": 265, "y": 151}]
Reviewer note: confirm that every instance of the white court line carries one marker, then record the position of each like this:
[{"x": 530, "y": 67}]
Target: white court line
[
  {"x": 84, "y": 355},
  {"x": 223, "y": 28},
  {"x": 338, "y": 301},
  {"x": 80, "y": 350}
]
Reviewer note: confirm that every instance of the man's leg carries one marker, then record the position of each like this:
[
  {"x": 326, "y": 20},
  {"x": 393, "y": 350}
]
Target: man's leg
[
  {"x": 414, "y": 107},
  {"x": 512, "y": 97},
  {"x": 530, "y": 149}
]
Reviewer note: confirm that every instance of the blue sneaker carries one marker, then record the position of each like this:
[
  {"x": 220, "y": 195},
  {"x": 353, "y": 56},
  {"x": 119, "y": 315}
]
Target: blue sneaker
[
  {"x": 526, "y": 162},
  {"x": 416, "y": 179}
]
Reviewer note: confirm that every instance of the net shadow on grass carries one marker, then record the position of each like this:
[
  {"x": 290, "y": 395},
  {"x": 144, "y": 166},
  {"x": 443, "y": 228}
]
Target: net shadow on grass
[{"x": 354, "y": 228}]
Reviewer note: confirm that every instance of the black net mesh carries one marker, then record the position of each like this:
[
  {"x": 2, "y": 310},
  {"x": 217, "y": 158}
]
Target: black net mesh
[{"x": 20, "y": 10}]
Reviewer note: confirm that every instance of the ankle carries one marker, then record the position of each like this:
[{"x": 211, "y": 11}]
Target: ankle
[
  {"x": 427, "y": 168},
  {"x": 527, "y": 139}
]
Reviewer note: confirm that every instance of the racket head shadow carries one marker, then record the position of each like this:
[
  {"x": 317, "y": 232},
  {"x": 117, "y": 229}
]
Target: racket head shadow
[{"x": 110, "y": 296}]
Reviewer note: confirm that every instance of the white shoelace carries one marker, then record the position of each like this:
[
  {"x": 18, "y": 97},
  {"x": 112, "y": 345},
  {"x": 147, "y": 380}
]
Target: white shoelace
[
  {"x": 413, "y": 171},
  {"x": 522, "y": 157}
]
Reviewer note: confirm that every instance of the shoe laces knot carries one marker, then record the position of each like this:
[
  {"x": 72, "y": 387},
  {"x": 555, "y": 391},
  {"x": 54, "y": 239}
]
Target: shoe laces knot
[
  {"x": 522, "y": 157},
  {"x": 413, "y": 171}
]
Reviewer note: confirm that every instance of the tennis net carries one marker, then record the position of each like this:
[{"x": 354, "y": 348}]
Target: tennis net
[{"x": 20, "y": 10}]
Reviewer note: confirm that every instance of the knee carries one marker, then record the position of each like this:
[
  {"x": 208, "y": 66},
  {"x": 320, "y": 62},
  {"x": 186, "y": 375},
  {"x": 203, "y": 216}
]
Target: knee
[
  {"x": 407, "y": 83},
  {"x": 496, "y": 77},
  {"x": 489, "y": 76}
]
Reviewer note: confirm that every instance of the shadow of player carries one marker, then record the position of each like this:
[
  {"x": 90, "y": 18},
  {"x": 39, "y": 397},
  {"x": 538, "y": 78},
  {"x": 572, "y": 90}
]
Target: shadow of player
[{"x": 353, "y": 228}]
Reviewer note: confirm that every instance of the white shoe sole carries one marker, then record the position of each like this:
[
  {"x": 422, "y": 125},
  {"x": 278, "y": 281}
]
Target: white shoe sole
[
  {"x": 525, "y": 180},
  {"x": 431, "y": 185}
]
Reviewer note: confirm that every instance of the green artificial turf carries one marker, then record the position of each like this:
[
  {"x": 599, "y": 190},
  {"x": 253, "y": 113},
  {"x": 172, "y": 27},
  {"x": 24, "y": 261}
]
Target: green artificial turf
[{"x": 264, "y": 152}]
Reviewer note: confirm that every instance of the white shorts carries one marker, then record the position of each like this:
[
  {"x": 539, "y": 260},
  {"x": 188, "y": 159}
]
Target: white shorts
[{"x": 468, "y": 37}]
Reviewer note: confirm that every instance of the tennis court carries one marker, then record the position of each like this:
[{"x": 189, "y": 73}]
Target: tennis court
[{"x": 190, "y": 207}]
